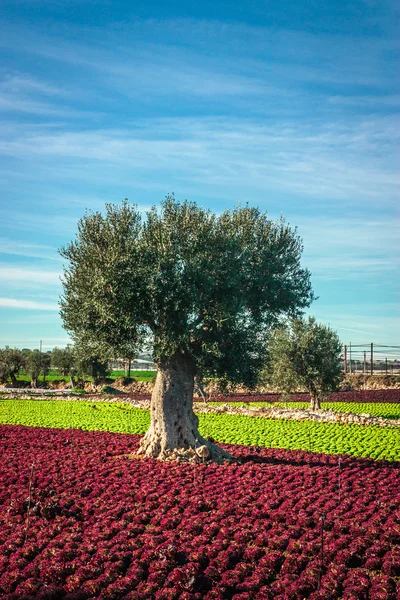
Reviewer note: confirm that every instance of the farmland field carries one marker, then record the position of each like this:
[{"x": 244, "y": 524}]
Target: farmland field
[
  {"x": 104, "y": 526},
  {"x": 386, "y": 410},
  {"x": 353, "y": 396},
  {"x": 81, "y": 518},
  {"x": 331, "y": 438}
]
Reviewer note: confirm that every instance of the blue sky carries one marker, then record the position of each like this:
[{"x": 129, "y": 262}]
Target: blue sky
[{"x": 292, "y": 106}]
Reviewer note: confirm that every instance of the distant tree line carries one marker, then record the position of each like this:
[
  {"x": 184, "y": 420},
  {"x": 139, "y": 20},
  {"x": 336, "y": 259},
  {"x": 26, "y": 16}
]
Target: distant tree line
[
  {"x": 301, "y": 353},
  {"x": 75, "y": 362}
]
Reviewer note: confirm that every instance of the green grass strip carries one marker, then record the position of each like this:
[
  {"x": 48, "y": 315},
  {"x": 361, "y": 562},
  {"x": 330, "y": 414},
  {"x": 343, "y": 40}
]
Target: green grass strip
[
  {"x": 328, "y": 438},
  {"x": 55, "y": 376}
]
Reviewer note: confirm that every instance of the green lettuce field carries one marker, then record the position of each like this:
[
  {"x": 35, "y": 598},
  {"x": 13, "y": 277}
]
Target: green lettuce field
[
  {"x": 328, "y": 438},
  {"x": 387, "y": 410}
]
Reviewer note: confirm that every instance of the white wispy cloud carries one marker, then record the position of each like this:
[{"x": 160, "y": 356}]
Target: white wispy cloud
[
  {"x": 318, "y": 160},
  {"x": 145, "y": 46},
  {"x": 234, "y": 66},
  {"x": 27, "y": 94},
  {"x": 353, "y": 330},
  {"x": 21, "y": 248},
  {"x": 145, "y": 68},
  {"x": 358, "y": 319},
  {"x": 391, "y": 100},
  {"x": 349, "y": 247},
  {"x": 29, "y": 275},
  {"x": 10, "y": 103},
  {"x": 20, "y": 83},
  {"x": 359, "y": 327},
  {"x": 27, "y": 304},
  {"x": 51, "y": 223},
  {"x": 232, "y": 69},
  {"x": 350, "y": 232},
  {"x": 360, "y": 268}
]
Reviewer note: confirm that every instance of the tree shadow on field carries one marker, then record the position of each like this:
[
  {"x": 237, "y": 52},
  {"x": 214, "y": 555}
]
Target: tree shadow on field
[{"x": 314, "y": 461}]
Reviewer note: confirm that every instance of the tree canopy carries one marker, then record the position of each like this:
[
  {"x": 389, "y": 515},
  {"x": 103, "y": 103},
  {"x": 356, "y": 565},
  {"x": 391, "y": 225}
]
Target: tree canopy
[
  {"x": 12, "y": 360},
  {"x": 200, "y": 284}
]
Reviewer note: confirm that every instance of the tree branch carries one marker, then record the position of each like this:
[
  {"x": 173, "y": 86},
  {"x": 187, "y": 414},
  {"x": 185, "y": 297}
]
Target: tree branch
[{"x": 152, "y": 324}]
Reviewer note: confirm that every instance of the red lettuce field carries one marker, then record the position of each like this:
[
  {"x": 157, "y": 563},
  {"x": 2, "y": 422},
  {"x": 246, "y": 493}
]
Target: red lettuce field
[
  {"x": 92, "y": 524},
  {"x": 379, "y": 396}
]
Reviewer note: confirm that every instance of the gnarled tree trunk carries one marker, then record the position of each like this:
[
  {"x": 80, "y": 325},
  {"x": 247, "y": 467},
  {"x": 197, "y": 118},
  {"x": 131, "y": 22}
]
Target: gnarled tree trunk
[
  {"x": 315, "y": 403},
  {"x": 173, "y": 424}
]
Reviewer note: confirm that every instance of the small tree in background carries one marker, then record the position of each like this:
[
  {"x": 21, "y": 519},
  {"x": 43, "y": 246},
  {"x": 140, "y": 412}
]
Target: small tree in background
[
  {"x": 64, "y": 361},
  {"x": 4, "y": 366},
  {"x": 207, "y": 288},
  {"x": 129, "y": 355},
  {"x": 90, "y": 362},
  {"x": 37, "y": 363},
  {"x": 122, "y": 345},
  {"x": 12, "y": 360},
  {"x": 305, "y": 354},
  {"x": 34, "y": 366},
  {"x": 46, "y": 361}
]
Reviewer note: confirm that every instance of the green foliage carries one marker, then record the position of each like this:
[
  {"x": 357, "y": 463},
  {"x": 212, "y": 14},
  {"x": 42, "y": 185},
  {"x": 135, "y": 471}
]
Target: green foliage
[
  {"x": 108, "y": 389},
  {"x": 12, "y": 361},
  {"x": 328, "y": 438},
  {"x": 37, "y": 363},
  {"x": 90, "y": 363},
  {"x": 64, "y": 361},
  {"x": 195, "y": 283},
  {"x": 305, "y": 354}
]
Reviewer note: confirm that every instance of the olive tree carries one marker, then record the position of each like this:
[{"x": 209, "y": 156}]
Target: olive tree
[
  {"x": 91, "y": 361},
  {"x": 64, "y": 361},
  {"x": 305, "y": 354},
  {"x": 12, "y": 360},
  {"x": 37, "y": 363},
  {"x": 205, "y": 288}
]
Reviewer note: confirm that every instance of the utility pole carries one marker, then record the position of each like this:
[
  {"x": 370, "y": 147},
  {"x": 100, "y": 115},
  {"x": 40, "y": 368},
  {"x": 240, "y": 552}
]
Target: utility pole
[
  {"x": 40, "y": 345},
  {"x": 350, "y": 358},
  {"x": 372, "y": 358},
  {"x": 365, "y": 362},
  {"x": 386, "y": 365},
  {"x": 345, "y": 360}
]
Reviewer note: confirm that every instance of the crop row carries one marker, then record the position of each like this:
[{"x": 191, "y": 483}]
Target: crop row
[
  {"x": 386, "y": 396},
  {"x": 330, "y": 438},
  {"x": 387, "y": 411},
  {"x": 80, "y": 519}
]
